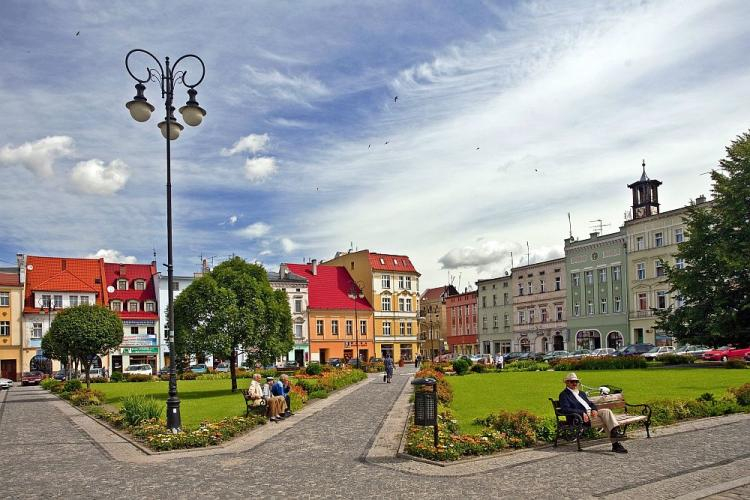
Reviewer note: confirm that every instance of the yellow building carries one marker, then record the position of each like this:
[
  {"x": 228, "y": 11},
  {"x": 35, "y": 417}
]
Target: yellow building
[
  {"x": 391, "y": 286},
  {"x": 11, "y": 325}
]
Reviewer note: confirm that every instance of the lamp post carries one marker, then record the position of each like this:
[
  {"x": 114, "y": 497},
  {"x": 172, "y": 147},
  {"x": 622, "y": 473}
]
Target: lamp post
[
  {"x": 140, "y": 109},
  {"x": 355, "y": 292}
]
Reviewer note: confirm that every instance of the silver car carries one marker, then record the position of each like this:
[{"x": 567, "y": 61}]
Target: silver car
[{"x": 6, "y": 383}]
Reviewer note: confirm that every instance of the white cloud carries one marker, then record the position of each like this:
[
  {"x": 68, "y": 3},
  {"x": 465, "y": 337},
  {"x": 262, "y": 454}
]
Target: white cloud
[
  {"x": 111, "y": 255},
  {"x": 38, "y": 156},
  {"x": 252, "y": 143},
  {"x": 94, "y": 177},
  {"x": 300, "y": 88},
  {"x": 233, "y": 220},
  {"x": 255, "y": 230},
  {"x": 260, "y": 168},
  {"x": 288, "y": 245},
  {"x": 491, "y": 252}
]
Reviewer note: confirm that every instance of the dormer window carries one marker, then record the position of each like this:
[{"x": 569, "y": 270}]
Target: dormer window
[
  {"x": 140, "y": 284},
  {"x": 132, "y": 306},
  {"x": 150, "y": 306},
  {"x": 122, "y": 284},
  {"x": 116, "y": 305},
  {"x": 382, "y": 261}
]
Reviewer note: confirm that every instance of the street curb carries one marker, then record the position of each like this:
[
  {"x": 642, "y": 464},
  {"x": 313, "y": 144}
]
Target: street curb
[{"x": 713, "y": 490}]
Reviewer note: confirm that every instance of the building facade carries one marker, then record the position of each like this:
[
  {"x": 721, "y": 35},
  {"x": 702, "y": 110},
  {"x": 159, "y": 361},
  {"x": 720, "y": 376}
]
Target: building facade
[
  {"x": 495, "y": 314},
  {"x": 597, "y": 293},
  {"x": 539, "y": 295},
  {"x": 339, "y": 326},
  {"x": 433, "y": 322},
  {"x": 391, "y": 285},
  {"x": 179, "y": 283},
  {"x": 11, "y": 324},
  {"x": 296, "y": 290},
  {"x": 461, "y": 312}
]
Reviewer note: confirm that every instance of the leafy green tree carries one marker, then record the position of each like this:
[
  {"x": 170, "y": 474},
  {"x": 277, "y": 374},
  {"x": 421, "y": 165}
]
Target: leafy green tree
[
  {"x": 81, "y": 333},
  {"x": 231, "y": 308},
  {"x": 715, "y": 283}
]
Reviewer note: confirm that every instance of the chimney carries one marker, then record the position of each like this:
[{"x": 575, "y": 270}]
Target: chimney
[
  {"x": 122, "y": 269},
  {"x": 315, "y": 267},
  {"x": 64, "y": 264},
  {"x": 21, "y": 260},
  {"x": 700, "y": 199}
]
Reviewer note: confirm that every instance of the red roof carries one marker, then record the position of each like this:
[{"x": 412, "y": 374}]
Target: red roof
[
  {"x": 63, "y": 274},
  {"x": 131, "y": 272},
  {"x": 387, "y": 262},
  {"x": 9, "y": 279},
  {"x": 329, "y": 288},
  {"x": 436, "y": 293}
]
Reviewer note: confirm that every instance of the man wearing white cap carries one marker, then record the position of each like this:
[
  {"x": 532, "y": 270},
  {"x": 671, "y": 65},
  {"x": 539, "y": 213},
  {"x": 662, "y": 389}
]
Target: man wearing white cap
[{"x": 574, "y": 401}]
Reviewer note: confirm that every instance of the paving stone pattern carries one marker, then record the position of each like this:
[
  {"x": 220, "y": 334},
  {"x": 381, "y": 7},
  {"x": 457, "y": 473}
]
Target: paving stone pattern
[{"x": 45, "y": 455}]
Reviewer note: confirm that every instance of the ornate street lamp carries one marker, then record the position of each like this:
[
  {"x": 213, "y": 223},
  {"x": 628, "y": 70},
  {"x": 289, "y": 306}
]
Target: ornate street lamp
[
  {"x": 140, "y": 109},
  {"x": 355, "y": 292}
]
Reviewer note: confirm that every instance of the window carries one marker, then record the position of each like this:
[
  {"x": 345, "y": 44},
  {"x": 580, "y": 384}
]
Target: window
[
  {"x": 132, "y": 306},
  {"x": 640, "y": 271},
  {"x": 506, "y": 320},
  {"x": 505, "y": 298},
  {"x": 484, "y": 322},
  {"x": 576, "y": 309},
  {"x": 116, "y": 305},
  {"x": 544, "y": 314},
  {"x": 679, "y": 301},
  {"x": 297, "y": 305},
  {"x": 385, "y": 281},
  {"x": 602, "y": 275},
  {"x": 36, "y": 331},
  {"x": 661, "y": 300},
  {"x": 541, "y": 286},
  {"x": 4, "y": 299},
  {"x": 140, "y": 285},
  {"x": 57, "y": 301},
  {"x": 349, "y": 327},
  {"x": 659, "y": 268},
  {"x": 531, "y": 316},
  {"x": 386, "y": 327},
  {"x": 385, "y": 303},
  {"x": 298, "y": 331},
  {"x": 409, "y": 328},
  {"x": 407, "y": 284},
  {"x": 4, "y": 328},
  {"x": 558, "y": 282},
  {"x": 531, "y": 289},
  {"x": 319, "y": 326},
  {"x": 46, "y": 300},
  {"x": 679, "y": 236},
  {"x": 639, "y": 243},
  {"x": 590, "y": 307},
  {"x": 407, "y": 303},
  {"x": 616, "y": 270},
  {"x": 589, "y": 277},
  {"x": 84, "y": 300},
  {"x": 494, "y": 321},
  {"x": 401, "y": 282},
  {"x": 575, "y": 279},
  {"x": 520, "y": 289},
  {"x": 363, "y": 327},
  {"x": 150, "y": 306},
  {"x": 603, "y": 308},
  {"x": 658, "y": 239},
  {"x": 402, "y": 328},
  {"x": 73, "y": 300},
  {"x": 642, "y": 302},
  {"x": 521, "y": 317},
  {"x": 618, "y": 304},
  {"x": 484, "y": 301},
  {"x": 150, "y": 330},
  {"x": 122, "y": 284},
  {"x": 175, "y": 285},
  {"x": 334, "y": 327},
  {"x": 559, "y": 313},
  {"x": 679, "y": 263},
  {"x": 133, "y": 330}
]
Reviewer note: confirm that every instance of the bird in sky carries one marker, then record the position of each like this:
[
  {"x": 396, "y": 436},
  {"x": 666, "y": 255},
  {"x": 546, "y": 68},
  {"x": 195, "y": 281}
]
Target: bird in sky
[
  {"x": 368, "y": 146},
  {"x": 387, "y": 142},
  {"x": 78, "y": 33},
  {"x": 395, "y": 99},
  {"x": 477, "y": 148}
]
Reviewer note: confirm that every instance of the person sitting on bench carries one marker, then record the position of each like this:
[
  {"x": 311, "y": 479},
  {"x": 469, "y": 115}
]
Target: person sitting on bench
[
  {"x": 276, "y": 404},
  {"x": 255, "y": 391},
  {"x": 572, "y": 400}
]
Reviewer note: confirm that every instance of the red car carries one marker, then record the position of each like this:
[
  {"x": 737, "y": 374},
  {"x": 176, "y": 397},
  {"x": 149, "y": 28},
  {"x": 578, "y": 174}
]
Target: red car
[
  {"x": 725, "y": 353},
  {"x": 28, "y": 378}
]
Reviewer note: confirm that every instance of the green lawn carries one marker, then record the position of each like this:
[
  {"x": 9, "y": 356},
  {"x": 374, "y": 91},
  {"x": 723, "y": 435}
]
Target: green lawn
[
  {"x": 478, "y": 395},
  {"x": 199, "y": 399}
]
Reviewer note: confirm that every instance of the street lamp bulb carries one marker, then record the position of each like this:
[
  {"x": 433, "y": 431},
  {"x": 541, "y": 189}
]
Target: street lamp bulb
[
  {"x": 192, "y": 114},
  {"x": 174, "y": 129},
  {"x": 140, "y": 110}
]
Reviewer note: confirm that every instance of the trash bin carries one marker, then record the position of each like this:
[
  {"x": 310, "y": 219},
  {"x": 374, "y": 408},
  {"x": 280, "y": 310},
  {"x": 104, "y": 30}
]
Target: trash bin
[{"x": 425, "y": 404}]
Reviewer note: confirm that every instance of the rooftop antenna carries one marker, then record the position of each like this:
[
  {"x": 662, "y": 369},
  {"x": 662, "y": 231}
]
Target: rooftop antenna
[
  {"x": 511, "y": 260},
  {"x": 528, "y": 254},
  {"x": 459, "y": 283},
  {"x": 570, "y": 227},
  {"x": 600, "y": 225}
]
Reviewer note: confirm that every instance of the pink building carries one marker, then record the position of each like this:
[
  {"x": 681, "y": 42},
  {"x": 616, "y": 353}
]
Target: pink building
[{"x": 461, "y": 312}]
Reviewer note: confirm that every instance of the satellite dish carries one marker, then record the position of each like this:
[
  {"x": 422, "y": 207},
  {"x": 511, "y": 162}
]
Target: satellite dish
[
  {"x": 30, "y": 267},
  {"x": 110, "y": 289}
]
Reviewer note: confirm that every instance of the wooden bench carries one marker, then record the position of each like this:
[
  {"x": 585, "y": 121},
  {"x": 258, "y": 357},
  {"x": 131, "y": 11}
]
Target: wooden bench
[
  {"x": 570, "y": 426},
  {"x": 260, "y": 409}
]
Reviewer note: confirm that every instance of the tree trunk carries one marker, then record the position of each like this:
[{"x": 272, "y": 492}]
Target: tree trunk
[
  {"x": 233, "y": 369},
  {"x": 87, "y": 367}
]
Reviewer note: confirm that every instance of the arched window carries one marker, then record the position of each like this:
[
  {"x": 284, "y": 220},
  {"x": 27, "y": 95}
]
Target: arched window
[
  {"x": 116, "y": 305},
  {"x": 132, "y": 306},
  {"x": 41, "y": 363},
  {"x": 140, "y": 284},
  {"x": 525, "y": 347},
  {"x": 614, "y": 340},
  {"x": 122, "y": 284},
  {"x": 150, "y": 306}
]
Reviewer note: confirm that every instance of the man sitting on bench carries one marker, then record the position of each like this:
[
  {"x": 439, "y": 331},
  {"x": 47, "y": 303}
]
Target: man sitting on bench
[
  {"x": 255, "y": 391},
  {"x": 573, "y": 400}
]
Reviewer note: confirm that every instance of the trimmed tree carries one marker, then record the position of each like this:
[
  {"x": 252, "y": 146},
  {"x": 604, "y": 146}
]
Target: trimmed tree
[
  {"x": 715, "y": 282},
  {"x": 81, "y": 333},
  {"x": 234, "y": 307}
]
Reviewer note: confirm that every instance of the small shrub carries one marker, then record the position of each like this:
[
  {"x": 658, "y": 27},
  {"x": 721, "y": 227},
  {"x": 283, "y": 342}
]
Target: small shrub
[
  {"x": 676, "y": 359},
  {"x": 188, "y": 376},
  {"x": 742, "y": 394},
  {"x": 310, "y": 384},
  {"x": 87, "y": 397},
  {"x": 519, "y": 427},
  {"x": 116, "y": 377},
  {"x": 50, "y": 384},
  {"x": 444, "y": 391},
  {"x": 72, "y": 385},
  {"x": 314, "y": 369},
  {"x": 461, "y": 366},
  {"x": 527, "y": 365},
  {"x": 478, "y": 368},
  {"x": 138, "y": 377},
  {"x": 318, "y": 394},
  {"x": 706, "y": 396},
  {"x": 736, "y": 364},
  {"x": 297, "y": 397},
  {"x": 137, "y": 408},
  {"x": 600, "y": 363}
]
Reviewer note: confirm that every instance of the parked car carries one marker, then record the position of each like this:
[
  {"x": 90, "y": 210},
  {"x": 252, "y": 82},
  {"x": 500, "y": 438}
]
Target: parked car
[
  {"x": 634, "y": 349},
  {"x": 335, "y": 362},
  {"x": 222, "y": 367},
  {"x": 725, "y": 353},
  {"x": 603, "y": 351},
  {"x": 6, "y": 383},
  {"x": 512, "y": 356},
  {"x": 141, "y": 369},
  {"x": 658, "y": 351},
  {"x": 199, "y": 368},
  {"x": 555, "y": 355},
  {"x": 163, "y": 371},
  {"x": 31, "y": 378},
  {"x": 747, "y": 357},
  {"x": 376, "y": 360},
  {"x": 60, "y": 375},
  {"x": 96, "y": 373},
  {"x": 476, "y": 358},
  {"x": 692, "y": 350},
  {"x": 579, "y": 353}
]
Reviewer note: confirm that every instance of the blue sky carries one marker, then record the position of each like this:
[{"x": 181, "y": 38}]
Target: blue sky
[{"x": 509, "y": 116}]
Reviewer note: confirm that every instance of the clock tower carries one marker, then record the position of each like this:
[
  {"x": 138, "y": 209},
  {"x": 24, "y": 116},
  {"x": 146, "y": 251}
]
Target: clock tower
[{"x": 645, "y": 195}]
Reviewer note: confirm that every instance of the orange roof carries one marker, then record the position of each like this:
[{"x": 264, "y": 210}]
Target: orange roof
[
  {"x": 9, "y": 277},
  {"x": 63, "y": 274},
  {"x": 388, "y": 262}
]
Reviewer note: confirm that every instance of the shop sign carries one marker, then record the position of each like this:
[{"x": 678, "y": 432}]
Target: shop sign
[
  {"x": 138, "y": 322},
  {"x": 140, "y": 350},
  {"x": 136, "y": 340}
]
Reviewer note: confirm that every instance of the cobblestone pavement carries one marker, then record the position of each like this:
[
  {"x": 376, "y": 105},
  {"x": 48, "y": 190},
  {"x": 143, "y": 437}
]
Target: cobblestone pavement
[{"x": 46, "y": 455}]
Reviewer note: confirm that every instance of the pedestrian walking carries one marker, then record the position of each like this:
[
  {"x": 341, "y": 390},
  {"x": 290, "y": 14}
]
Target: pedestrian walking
[
  {"x": 499, "y": 361},
  {"x": 388, "y": 362},
  {"x": 417, "y": 360}
]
